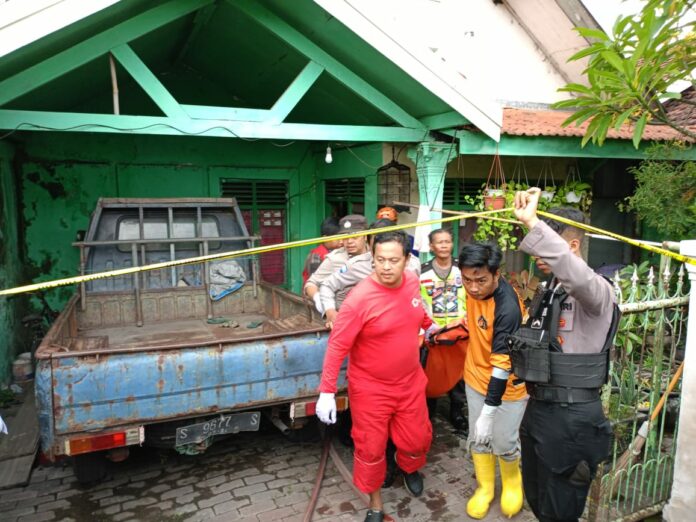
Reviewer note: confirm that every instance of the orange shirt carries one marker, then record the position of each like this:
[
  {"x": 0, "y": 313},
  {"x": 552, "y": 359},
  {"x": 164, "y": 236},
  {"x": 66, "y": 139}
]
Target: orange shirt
[{"x": 491, "y": 320}]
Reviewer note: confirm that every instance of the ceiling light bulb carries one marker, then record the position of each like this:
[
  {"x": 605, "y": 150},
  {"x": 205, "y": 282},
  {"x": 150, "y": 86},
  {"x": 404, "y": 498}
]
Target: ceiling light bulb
[{"x": 328, "y": 158}]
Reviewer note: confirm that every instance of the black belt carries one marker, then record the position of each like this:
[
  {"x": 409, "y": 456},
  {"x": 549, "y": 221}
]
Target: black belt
[{"x": 566, "y": 395}]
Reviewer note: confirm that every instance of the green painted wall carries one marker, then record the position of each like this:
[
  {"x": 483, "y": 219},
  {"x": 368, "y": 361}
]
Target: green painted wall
[
  {"x": 10, "y": 266},
  {"x": 63, "y": 175}
]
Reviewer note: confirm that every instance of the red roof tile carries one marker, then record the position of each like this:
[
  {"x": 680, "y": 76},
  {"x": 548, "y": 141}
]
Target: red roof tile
[
  {"x": 683, "y": 111},
  {"x": 545, "y": 122}
]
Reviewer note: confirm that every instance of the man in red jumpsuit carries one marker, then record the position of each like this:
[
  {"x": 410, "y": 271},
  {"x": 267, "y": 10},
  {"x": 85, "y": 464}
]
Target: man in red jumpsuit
[{"x": 378, "y": 328}]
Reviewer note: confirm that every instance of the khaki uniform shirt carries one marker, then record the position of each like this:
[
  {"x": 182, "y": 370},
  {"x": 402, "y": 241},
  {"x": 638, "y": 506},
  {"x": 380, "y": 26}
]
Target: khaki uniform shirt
[{"x": 587, "y": 311}]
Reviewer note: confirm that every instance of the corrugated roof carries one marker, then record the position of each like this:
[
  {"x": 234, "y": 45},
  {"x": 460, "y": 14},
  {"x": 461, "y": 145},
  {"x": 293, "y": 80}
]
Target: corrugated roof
[{"x": 545, "y": 122}]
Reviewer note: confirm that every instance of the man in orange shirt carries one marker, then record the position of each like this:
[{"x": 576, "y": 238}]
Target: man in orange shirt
[{"x": 496, "y": 405}]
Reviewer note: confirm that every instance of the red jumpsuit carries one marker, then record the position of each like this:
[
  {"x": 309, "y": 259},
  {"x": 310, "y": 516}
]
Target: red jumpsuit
[{"x": 378, "y": 327}]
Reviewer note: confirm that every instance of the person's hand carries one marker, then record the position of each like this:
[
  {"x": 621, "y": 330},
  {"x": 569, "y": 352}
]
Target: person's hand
[
  {"x": 483, "y": 430},
  {"x": 432, "y": 330},
  {"x": 318, "y": 304},
  {"x": 326, "y": 408},
  {"x": 331, "y": 315},
  {"x": 526, "y": 203}
]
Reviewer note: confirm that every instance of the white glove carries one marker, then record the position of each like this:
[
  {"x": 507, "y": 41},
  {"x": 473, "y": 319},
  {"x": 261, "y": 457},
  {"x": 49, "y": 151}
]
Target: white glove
[
  {"x": 326, "y": 408},
  {"x": 483, "y": 431},
  {"x": 318, "y": 304},
  {"x": 432, "y": 330}
]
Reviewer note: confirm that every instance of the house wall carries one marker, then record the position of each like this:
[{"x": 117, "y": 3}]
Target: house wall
[
  {"x": 10, "y": 266},
  {"x": 63, "y": 175}
]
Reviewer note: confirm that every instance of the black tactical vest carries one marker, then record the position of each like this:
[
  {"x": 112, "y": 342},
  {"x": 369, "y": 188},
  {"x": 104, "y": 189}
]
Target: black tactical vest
[{"x": 537, "y": 356}]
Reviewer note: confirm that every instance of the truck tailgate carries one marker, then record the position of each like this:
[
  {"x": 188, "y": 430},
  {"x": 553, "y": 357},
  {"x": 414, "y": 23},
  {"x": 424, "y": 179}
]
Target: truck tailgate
[{"x": 98, "y": 391}]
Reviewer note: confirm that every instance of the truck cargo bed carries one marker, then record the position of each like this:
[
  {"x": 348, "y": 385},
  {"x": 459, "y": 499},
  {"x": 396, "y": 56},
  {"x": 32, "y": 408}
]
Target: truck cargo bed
[
  {"x": 236, "y": 327},
  {"x": 176, "y": 318}
]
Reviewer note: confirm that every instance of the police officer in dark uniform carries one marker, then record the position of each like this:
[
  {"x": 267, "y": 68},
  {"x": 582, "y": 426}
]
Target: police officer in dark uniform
[{"x": 562, "y": 353}]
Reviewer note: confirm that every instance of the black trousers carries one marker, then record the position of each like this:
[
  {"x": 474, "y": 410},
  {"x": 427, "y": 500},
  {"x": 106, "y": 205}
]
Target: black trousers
[{"x": 562, "y": 444}]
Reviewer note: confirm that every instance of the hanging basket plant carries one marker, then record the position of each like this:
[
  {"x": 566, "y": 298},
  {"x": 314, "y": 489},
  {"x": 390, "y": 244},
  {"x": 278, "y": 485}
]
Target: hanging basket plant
[
  {"x": 495, "y": 194},
  {"x": 574, "y": 192},
  {"x": 494, "y": 189},
  {"x": 546, "y": 181}
]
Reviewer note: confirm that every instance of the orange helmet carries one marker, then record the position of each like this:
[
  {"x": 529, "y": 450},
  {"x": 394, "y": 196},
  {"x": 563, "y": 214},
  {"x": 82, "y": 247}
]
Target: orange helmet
[{"x": 388, "y": 213}]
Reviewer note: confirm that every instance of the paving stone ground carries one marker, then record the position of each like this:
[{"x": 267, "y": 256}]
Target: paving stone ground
[{"x": 251, "y": 476}]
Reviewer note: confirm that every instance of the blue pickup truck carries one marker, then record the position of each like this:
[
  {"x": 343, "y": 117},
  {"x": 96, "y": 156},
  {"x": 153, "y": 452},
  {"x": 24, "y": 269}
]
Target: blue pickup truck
[{"x": 161, "y": 357}]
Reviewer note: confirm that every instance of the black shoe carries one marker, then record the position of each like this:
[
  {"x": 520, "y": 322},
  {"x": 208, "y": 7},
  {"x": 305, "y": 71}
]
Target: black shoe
[
  {"x": 374, "y": 516},
  {"x": 391, "y": 465},
  {"x": 432, "y": 407},
  {"x": 414, "y": 483},
  {"x": 390, "y": 476},
  {"x": 457, "y": 419}
]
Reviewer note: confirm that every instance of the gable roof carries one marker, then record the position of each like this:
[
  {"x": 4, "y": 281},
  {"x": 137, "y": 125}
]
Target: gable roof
[{"x": 242, "y": 56}]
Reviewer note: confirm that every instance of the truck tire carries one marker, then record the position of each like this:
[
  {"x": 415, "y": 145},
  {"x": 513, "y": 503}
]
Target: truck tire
[{"x": 89, "y": 468}]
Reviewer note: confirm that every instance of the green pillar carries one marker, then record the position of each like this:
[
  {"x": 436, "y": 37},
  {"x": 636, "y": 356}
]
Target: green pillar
[{"x": 431, "y": 159}]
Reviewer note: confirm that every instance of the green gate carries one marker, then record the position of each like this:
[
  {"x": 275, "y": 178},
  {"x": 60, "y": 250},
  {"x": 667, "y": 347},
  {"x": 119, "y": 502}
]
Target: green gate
[{"x": 649, "y": 349}]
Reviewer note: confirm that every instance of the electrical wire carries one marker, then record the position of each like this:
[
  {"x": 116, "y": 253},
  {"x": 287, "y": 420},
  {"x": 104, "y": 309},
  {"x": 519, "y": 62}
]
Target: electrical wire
[{"x": 31, "y": 126}]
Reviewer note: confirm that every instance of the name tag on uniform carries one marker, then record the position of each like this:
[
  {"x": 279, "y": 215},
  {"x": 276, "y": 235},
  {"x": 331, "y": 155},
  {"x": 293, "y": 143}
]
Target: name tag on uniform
[{"x": 565, "y": 323}]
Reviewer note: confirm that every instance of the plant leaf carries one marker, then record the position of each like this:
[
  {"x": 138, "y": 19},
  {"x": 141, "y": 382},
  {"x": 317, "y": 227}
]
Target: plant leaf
[{"x": 638, "y": 131}]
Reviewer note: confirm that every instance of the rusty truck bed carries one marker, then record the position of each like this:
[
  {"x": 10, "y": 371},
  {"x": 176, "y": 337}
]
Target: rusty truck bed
[{"x": 176, "y": 318}]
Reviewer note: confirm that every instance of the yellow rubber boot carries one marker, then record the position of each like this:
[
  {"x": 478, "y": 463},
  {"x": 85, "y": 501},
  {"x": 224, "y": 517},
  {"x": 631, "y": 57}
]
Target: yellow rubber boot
[
  {"x": 512, "y": 497},
  {"x": 484, "y": 466}
]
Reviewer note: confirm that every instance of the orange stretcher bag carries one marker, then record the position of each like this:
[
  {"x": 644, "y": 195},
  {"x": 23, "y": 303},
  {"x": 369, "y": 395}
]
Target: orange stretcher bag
[{"x": 446, "y": 353}]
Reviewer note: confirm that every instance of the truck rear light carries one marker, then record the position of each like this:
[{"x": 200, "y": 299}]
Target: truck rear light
[
  {"x": 103, "y": 442},
  {"x": 299, "y": 409}
]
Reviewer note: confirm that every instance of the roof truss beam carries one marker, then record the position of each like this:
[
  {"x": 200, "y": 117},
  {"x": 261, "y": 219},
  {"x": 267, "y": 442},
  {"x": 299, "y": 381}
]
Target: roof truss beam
[
  {"x": 94, "y": 47},
  {"x": 124, "y": 124},
  {"x": 148, "y": 81},
  {"x": 332, "y": 66},
  {"x": 444, "y": 120},
  {"x": 295, "y": 91},
  {"x": 207, "y": 112}
]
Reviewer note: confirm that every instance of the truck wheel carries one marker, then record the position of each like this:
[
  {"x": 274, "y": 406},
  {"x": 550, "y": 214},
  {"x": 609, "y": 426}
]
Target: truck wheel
[{"x": 89, "y": 467}]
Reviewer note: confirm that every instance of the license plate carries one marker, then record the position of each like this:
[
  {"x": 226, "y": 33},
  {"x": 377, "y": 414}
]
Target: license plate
[{"x": 233, "y": 423}]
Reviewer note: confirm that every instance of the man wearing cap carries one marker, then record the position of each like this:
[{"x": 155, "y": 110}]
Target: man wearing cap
[
  {"x": 334, "y": 288},
  {"x": 329, "y": 227},
  {"x": 337, "y": 259}
]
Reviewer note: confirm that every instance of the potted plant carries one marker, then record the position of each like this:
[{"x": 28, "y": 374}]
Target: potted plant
[
  {"x": 576, "y": 194},
  {"x": 498, "y": 228},
  {"x": 546, "y": 177},
  {"x": 494, "y": 189},
  {"x": 494, "y": 199}
]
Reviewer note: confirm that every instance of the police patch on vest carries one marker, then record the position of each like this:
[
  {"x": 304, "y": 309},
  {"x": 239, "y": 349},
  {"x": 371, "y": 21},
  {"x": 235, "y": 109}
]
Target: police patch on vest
[{"x": 565, "y": 323}]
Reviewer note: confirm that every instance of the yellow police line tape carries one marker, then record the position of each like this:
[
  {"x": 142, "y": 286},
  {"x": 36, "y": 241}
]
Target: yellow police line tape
[
  {"x": 313, "y": 241},
  {"x": 45, "y": 285},
  {"x": 640, "y": 244}
]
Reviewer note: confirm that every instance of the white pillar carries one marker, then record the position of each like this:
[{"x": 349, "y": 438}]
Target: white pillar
[{"x": 682, "y": 502}]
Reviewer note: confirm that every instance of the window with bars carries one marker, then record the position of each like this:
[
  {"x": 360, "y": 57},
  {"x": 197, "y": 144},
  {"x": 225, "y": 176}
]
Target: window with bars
[
  {"x": 264, "y": 206},
  {"x": 456, "y": 189},
  {"x": 345, "y": 196},
  {"x": 453, "y": 198}
]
